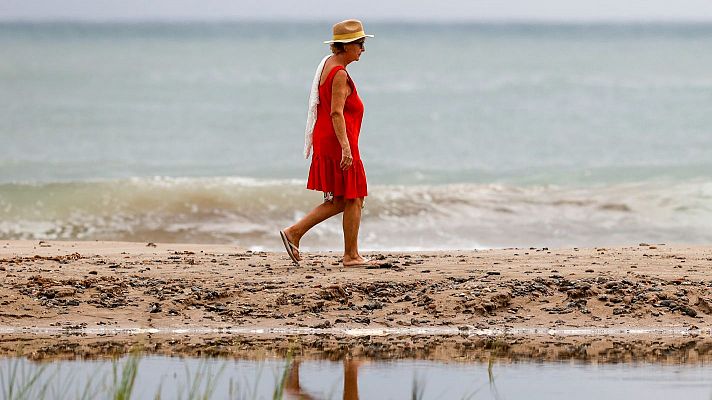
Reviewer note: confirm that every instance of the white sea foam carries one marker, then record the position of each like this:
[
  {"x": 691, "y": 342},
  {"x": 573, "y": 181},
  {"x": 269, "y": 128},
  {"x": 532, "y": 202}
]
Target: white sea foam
[{"x": 247, "y": 212}]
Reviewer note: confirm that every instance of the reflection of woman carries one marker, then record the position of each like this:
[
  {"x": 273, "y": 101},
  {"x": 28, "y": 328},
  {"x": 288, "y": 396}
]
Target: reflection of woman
[
  {"x": 336, "y": 167},
  {"x": 293, "y": 388}
]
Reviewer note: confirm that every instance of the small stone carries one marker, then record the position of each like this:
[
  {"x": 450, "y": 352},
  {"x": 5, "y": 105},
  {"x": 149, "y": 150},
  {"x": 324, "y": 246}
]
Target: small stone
[
  {"x": 324, "y": 325},
  {"x": 64, "y": 292},
  {"x": 688, "y": 311},
  {"x": 362, "y": 320},
  {"x": 375, "y": 305}
]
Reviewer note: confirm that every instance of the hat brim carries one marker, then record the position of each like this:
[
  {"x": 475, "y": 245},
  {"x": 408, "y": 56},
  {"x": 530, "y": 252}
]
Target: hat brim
[{"x": 347, "y": 40}]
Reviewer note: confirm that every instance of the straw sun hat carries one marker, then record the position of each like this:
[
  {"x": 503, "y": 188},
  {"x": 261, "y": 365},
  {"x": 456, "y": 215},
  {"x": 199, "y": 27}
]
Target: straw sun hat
[{"x": 348, "y": 31}]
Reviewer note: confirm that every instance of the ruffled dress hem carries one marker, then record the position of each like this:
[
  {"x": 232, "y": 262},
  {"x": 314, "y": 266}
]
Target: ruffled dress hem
[{"x": 326, "y": 175}]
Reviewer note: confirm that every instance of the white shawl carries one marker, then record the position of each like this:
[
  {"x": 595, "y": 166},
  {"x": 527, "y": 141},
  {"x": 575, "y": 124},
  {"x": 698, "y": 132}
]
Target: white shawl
[{"x": 313, "y": 102}]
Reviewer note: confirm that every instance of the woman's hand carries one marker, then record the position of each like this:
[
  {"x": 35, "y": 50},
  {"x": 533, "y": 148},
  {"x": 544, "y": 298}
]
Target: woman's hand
[{"x": 346, "y": 159}]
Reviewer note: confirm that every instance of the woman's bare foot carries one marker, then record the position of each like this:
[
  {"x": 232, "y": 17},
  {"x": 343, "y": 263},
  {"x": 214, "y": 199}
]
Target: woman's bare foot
[
  {"x": 358, "y": 261},
  {"x": 293, "y": 239}
]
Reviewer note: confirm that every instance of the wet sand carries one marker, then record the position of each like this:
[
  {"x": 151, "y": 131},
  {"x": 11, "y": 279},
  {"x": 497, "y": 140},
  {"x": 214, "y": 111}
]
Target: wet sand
[{"x": 76, "y": 289}]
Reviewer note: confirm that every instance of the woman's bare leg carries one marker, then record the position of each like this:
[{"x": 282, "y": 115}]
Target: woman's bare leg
[
  {"x": 319, "y": 214},
  {"x": 351, "y": 223}
]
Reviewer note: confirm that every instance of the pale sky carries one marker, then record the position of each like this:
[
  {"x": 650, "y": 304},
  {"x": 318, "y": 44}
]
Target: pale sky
[{"x": 409, "y": 10}]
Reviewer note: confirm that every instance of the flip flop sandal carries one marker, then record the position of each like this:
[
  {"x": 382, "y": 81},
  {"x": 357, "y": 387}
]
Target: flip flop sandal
[{"x": 289, "y": 247}]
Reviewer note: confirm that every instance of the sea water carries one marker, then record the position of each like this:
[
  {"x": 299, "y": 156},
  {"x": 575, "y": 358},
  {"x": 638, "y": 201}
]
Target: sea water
[{"x": 474, "y": 135}]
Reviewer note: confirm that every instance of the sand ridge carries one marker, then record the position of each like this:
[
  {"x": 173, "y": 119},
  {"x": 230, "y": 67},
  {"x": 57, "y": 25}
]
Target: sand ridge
[{"x": 76, "y": 285}]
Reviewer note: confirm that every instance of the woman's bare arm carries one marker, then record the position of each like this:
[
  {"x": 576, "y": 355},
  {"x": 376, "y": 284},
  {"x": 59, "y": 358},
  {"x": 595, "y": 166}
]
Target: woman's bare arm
[{"x": 340, "y": 90}]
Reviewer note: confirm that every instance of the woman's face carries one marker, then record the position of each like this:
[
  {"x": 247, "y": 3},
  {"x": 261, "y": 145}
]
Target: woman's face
[{"x": 355, "y": 48}]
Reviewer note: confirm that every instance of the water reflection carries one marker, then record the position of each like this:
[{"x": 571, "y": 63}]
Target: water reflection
[
  {"x": 219, "y": 378},
  {"x": 350, "y": 390}
]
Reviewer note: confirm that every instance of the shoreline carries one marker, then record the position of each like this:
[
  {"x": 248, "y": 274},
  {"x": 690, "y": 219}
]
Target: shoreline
[{"x": 81, "y": 292}]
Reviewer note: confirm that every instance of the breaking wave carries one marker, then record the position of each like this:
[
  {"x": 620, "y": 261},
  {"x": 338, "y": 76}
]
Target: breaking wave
[{"x": 248, "y": 212}]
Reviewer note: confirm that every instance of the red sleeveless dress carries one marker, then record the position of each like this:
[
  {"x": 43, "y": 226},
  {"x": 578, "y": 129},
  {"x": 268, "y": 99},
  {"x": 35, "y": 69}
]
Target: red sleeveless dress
[{"x": 325, "y": 174}]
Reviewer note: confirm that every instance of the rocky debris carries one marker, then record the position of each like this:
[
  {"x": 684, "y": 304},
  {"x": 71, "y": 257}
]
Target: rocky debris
[
  {"x": 322, "y": 325},
  {"x": 56, "y": 292},
  {"x": 52, "y": 293},
  {"x": 290, "y": 299},
  {"x": 110, "y": 297},
  {"x": 315, "y": 307},
  {"x": 537, "y": 287},
  {"x": 219, "y": 308},
  {"x": 65, "y": 259},
  {"x": 160, "y": 290},
  {"x": 568, "y": 307},
  {"x": 424, "y": 300},
  {"x": 704, "y": 305},
  {"x": 60, "y": 302},
  {"x": 383, "y": 289},
  {"x": 386, "y": 265},
  {"x": 488, "y": 305},
  {"x": 334, "y": 293},
  {"x": 578, "y": 290},
  {"x": 558, "y": 310},
  {"x": 384, "y": 297},
  {"x": 374, "y": 305},
  {"x": 674, "y": 305}
]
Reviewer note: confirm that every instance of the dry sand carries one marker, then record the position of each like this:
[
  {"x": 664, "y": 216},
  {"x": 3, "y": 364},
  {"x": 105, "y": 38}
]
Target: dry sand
[{"x": 74, "y": 288}]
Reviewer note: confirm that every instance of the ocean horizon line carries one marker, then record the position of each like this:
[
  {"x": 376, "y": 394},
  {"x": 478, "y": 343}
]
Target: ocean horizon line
[{"x": 602, "y": 22}]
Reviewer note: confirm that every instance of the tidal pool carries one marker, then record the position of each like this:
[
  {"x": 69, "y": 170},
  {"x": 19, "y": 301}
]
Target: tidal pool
[{"x": 216, "y": 378}]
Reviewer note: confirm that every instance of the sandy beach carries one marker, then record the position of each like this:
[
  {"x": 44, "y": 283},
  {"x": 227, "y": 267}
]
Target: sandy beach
[{"x": 63, "y": 299}]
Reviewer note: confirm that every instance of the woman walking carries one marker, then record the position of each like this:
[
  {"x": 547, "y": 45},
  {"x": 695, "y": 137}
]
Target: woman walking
[{"x": 333, "y": 127}]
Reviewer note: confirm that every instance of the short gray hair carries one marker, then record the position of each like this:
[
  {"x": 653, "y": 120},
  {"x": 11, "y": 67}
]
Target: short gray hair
[{"x": 338, "y": 47}]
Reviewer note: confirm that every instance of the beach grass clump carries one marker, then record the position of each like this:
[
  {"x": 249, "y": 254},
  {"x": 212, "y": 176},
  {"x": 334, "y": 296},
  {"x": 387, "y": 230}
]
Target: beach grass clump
[
  {"x": 21, "y": 379},
  {"x": 18, "y": 382},
  {"x": 123, "y": 383},
  {"x": 417, "y": 391},
  {"x": 202, "y": 383}
]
